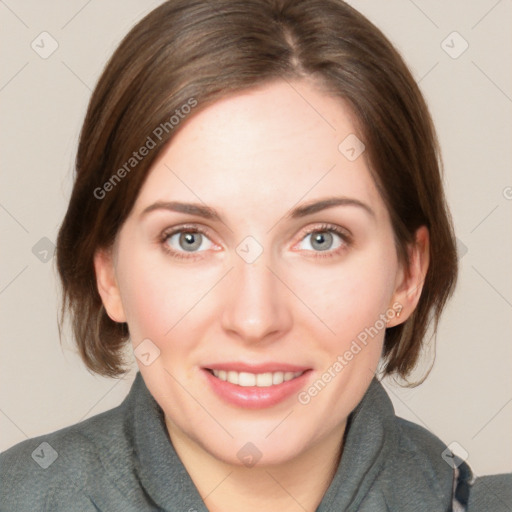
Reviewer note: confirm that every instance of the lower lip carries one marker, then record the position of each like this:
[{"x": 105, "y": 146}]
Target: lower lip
[{"x": 254, "y": 397}]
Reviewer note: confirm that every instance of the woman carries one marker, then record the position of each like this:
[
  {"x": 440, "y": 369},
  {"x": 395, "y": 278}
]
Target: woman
[{"x": 258, "y": 210}]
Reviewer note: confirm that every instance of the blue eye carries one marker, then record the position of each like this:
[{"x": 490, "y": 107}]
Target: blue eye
[
  {"x": 328, "y": 239},
  {"x": 322, "y": 240},
  {"x": 189, "y": 241},
  {"x": 180, "y": 241}
]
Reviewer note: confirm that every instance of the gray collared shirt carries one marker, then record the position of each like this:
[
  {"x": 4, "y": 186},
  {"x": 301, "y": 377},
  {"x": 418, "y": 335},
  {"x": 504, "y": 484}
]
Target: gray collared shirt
[{"x": 123, "y": 460}]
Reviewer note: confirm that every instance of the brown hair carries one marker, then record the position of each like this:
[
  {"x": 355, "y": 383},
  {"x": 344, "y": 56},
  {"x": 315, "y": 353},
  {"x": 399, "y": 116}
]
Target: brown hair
[{"x": 199, "y": 51}]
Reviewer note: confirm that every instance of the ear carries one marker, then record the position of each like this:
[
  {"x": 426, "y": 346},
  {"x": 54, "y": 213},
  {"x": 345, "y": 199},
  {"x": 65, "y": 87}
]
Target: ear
[
  {"x": 409, "y": 283},
  {"x": 107, "y": 284}
]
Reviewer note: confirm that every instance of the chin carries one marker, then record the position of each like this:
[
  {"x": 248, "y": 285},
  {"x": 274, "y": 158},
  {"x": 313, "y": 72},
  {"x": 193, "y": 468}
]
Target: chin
[{"x": 252, "y": 448}]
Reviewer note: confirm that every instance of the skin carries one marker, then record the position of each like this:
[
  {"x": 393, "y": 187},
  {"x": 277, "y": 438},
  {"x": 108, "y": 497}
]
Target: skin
[{"x": 275, "y": 148}]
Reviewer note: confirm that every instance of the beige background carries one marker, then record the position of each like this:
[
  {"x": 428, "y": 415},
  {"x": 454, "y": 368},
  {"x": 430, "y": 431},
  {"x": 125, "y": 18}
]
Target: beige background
[{"x": 467, "y": 399}]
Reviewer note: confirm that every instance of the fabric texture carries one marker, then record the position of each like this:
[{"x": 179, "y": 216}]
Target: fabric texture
[{"x": 123, "y": 460}]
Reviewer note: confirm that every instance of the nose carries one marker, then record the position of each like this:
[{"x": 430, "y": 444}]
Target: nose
[{"x": 257, "y": 305}]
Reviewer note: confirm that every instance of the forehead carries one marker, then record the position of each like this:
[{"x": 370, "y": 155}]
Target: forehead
[{"x": 275, "y": 145}]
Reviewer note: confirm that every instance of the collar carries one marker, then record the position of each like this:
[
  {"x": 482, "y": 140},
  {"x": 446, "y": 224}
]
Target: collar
[
  {"x": 161, "y": 471},
  {"x": 370, "y": 440}
]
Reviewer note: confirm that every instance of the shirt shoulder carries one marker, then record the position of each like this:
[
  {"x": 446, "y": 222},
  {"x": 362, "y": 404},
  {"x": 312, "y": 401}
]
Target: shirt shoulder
[
  {"x": 418, "y": 471},
  {"x": 491, "y": 492},
  {"x": 63, "y": 464},
  {"x": 427, "y": 459},
  {"x": 430, "y": 453}
]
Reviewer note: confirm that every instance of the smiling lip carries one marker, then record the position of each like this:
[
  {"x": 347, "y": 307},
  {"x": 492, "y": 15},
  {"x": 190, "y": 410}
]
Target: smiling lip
[{"x": 255, "y": 397}]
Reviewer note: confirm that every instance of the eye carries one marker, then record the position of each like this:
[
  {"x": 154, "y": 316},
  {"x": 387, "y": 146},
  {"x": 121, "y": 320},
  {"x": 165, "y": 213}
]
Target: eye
[
  {"x": 180, "y": 241},
  {"x": 326, "y": 239}
]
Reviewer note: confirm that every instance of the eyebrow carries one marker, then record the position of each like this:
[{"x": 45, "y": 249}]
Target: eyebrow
[
  {"x": 207, "y": 212},
  {"x": 323, "y": 204}
]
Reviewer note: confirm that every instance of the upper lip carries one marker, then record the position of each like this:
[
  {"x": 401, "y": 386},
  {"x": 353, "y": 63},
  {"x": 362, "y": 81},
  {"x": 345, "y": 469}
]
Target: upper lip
[{"x": 269, "y": 367}]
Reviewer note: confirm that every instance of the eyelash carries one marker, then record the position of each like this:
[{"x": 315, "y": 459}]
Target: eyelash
[
  {"x": 185, "y": 229},
  {"x": 345, "y": 237}
]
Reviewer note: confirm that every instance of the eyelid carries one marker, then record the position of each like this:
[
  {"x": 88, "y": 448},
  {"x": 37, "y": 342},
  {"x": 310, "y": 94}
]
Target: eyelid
[
  {"x": 187, "y": 227},
  {"x": 166, "y": 233},
  {"x": 343, "y": 233}
]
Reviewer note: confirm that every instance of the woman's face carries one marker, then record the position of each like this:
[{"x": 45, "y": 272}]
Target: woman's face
[{"x": 231, "y": 267}]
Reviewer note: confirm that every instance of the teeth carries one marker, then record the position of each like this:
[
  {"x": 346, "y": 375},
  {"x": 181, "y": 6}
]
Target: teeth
[
  {"x": 264, "y": 380},
  {"x": 246, "y": 379},
  {"x": 232, "y": 377},
  {"x": 261, "y": 380},
  {"x": 277, "y": 377}
]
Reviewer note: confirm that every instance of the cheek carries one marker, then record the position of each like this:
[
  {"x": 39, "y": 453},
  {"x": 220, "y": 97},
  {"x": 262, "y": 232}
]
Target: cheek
[
  {"x": 147, "y": 310},
  {"x": 350, "y": 297},
  {"x": 158, "y": 294}
]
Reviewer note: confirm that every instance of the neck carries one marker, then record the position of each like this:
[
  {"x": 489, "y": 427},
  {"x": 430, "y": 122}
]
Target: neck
[{"x": 294, "y": 485}]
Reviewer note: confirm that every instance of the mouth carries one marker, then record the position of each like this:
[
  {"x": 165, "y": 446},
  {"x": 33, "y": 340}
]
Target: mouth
[{"x": 256, "y": 387}]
